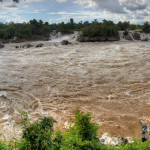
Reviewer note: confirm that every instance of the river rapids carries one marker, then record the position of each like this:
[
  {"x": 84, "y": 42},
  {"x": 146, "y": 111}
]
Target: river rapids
[{"x": 109, "y": 79}]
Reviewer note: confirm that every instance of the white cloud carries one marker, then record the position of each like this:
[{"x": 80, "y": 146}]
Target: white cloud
[
  {"x": 61, "y": 1},
  {"x": 131, "y": 10},
  {"x": 134, "y": 4},
  {"x": 26, "y": 6},
  {"x": 85, "y": 15},
  {"x": 85, "y": 3},
  {"x": 62, "y": 13},
  {"x": 30, "y": 1},
  {"x": 88, "y": 15},
  {"x": 16, "y": 19},
  {"x": 124, "y": 10}
]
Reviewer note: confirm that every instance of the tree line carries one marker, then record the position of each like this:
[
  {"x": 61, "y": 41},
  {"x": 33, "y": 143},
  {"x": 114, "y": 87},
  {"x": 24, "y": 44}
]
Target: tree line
[{"x": 37, "y": 29}]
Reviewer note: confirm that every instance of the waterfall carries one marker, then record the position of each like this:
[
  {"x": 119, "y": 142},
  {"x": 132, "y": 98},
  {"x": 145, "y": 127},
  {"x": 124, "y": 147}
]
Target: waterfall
[
  {"x": 148, "y": 35},
  {"x": 144, "y": 36},
  {"x": 130, "y": 34},
  {"x": 121, "y": 36},
  {"x": 53, "y": 35}
]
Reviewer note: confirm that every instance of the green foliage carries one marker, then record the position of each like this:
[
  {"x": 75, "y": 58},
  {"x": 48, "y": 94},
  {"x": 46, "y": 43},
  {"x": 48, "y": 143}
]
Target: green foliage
[
  {"x": 81, "y": 135},
  {"x": 37, "y": 29},
  {"x": 123, "y": 25},
  {"x": 39, "y": 135},
  {"x": 136, "y": 145},
  {"x": 3, "y": 146},
  {"x": 107, "y": 28},
  {"x": 24, "y": 30},
  {"x": 24, "y": 121},
  {"x": 125, "y": 33},
  {"x": 146, "y": 27},
  {"x": 58, "y": 140},
  {"x": 84, "y": 126}
]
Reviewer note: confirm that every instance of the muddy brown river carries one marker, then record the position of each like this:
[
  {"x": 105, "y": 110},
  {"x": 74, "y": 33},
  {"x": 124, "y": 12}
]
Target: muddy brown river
[{"x": 110, "y": 80}]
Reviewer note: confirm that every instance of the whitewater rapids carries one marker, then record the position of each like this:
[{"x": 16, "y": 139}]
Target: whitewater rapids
[{"x": 109, "y": 79}]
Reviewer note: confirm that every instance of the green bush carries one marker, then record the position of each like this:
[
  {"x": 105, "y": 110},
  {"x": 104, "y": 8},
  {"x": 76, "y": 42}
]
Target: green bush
[
  {"x": 81, "y": 135},
  {"x": 38, "y": 136},
  {"x": 84, "y": 127},
  {"x": 107, "y": 28},
  {"x": 3, "y": 146}
]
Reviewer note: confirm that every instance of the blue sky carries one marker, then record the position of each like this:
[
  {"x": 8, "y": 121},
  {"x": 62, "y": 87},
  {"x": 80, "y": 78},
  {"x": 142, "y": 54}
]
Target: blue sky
[{"x": 54, "y": 11}]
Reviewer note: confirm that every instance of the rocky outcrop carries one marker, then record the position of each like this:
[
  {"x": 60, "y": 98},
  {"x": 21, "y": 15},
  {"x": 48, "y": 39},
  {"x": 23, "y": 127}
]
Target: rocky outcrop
[
  {"x": 39, "y": 45},
  {"x": 27, "y": 46},
  {"x": 145, "y": 131},
  {"x": 136, "y": 36},
  {"x": 91, "y": 39},
  {"x": 128, "y": 37},
  {"x": 113, "y": 38},
  {"x": 1, "y": 45},
  {"x": 97, "y": 38},
  {"x": 115, "y": 141},
  {"x": 144, "y": 39},
  {"x": 64, "y": 42}
]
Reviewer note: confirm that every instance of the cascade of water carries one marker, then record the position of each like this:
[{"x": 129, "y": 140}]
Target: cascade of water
[
  {"x": 148, "y": 35},
  {"x": 121, "y": 36},
  {"x": 144, "y": 36},
  {"x": 130, "y": 34},
  {"x": 53, "y": 35}
]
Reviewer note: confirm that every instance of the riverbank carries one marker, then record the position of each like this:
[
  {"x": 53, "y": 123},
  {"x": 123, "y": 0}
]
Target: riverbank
[{"x": 80, "y": 134}]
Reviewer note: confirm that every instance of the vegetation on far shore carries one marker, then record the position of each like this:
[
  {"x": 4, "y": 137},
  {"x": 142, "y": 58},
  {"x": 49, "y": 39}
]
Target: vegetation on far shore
[
  {"x": 38, "y": 30},
  {"x": 81, "y": 135}
]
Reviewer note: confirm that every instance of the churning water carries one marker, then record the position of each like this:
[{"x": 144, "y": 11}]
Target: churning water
[{"x": 109, "y": 79}]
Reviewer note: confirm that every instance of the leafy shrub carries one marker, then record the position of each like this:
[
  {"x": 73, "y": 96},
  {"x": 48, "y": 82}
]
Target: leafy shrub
[
  {"x": 83, "y": 134},
  {"x": 38, "y": 136},
  {"x": 57, "y": 142},
  {"x": 84, "y": 127},
  {"x": 136, "y": 145},
  {"x": 3, "y": 146}
]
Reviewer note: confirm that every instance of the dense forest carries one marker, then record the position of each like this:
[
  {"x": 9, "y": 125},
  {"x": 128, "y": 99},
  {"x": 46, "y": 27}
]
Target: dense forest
[{"x": 34, "y": 29}]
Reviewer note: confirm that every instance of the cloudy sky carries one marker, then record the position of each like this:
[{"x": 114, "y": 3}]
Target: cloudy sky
[{"x": 54, "y": 11}]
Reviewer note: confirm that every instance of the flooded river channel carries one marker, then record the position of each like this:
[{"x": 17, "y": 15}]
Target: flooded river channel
[{"x": 109, "y": 79}]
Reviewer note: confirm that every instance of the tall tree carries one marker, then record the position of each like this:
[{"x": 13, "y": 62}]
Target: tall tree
[{"x": 146, "y": 27}]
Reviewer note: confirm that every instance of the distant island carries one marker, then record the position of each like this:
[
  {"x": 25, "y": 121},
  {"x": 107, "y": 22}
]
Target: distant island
[{"x": 91, "y": 31}]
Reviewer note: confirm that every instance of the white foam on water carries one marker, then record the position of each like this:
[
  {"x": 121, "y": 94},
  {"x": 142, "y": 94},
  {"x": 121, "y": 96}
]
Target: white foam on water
[
  {"x": 3, "y": 93},
  {"x": 109, "y": 79},
  {"x": 6, "y": 117}
]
